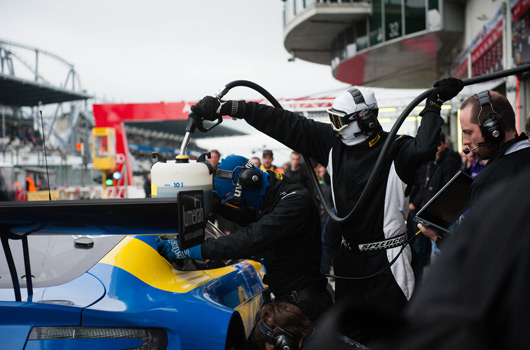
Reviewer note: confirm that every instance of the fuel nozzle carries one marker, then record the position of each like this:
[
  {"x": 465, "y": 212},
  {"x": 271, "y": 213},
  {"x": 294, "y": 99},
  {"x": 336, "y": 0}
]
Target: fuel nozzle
[
  {"x": 195, "y": 122},
  {"x": 191, "y": 126}
]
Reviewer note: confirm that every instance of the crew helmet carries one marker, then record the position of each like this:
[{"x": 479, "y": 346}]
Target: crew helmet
[
  {"x": 354, "y": 114},
  {"x": 239, "y": 184}
]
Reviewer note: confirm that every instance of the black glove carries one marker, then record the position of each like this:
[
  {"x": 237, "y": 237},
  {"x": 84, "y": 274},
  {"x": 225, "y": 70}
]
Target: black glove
[
  {"x": 445, "y": 90},
  {"x": 211, "y": 108},
  {"x": 448, "y": 88}
]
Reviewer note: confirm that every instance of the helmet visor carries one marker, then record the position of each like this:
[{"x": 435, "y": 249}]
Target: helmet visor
[{"x": 339, "y": 120}]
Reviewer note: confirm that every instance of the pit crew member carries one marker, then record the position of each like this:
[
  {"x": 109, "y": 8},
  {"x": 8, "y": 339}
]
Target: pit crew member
[
  {"x": 281, "y": 230},
  {"x": 349, "y": 148}
]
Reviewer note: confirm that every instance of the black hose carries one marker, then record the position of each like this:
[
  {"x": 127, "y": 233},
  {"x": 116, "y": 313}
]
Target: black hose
[
  {"x": 393, "y": 132},
  {"x": 497, "y": 75},
  {"x": 251, "y": 85}
]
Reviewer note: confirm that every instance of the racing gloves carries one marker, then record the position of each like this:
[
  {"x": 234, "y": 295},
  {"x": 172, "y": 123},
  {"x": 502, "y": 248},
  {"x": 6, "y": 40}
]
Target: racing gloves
[
  {"x": 445, "y": 90},
  {"x": 211, "y": 108},
  {"x": 170, "y": 250}
]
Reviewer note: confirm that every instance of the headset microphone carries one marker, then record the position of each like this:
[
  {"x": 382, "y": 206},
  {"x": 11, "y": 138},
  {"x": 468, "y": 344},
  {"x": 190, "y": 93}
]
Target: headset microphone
[{"x": 480, "y": 144}]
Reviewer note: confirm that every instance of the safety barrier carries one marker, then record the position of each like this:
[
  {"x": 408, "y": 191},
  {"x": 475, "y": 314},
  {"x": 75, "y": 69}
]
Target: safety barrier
[{"x": 75, "y": 193}]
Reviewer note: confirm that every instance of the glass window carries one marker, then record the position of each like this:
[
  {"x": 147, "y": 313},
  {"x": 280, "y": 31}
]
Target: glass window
[
  {"x": 433, "y": 5},
  {"x": 414, "y": 16},
  {"x": 393, "y": 19},
  {"x": 362, "y": 35},
  {"x": 334, "y": 52},
  {"x": 341, "y": 45},
  {"x": 376, "y": 23},
  {"x": 434, "y": 21},
  {"x": 101, "y": 146},
  {"x": 350, "y": 35},
  {"x": 288, "y": 11}
]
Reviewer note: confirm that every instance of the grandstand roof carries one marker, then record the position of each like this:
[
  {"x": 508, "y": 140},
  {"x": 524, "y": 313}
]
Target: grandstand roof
[
  {"x": 178, "y": 127},
  {"x": 20, "y": 92}
]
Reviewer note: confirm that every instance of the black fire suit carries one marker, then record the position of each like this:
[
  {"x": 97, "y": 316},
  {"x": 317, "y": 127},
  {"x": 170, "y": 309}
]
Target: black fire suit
[
  {"x": 383, "y": 216},
  {"x": 509, "y": 160},
  {"x": 475, "y": 296},
  {"x": 285, "y": 237}
]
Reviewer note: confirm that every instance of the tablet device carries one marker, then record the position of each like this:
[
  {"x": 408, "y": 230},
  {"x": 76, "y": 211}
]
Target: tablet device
[{"x": 444, "y": 208}]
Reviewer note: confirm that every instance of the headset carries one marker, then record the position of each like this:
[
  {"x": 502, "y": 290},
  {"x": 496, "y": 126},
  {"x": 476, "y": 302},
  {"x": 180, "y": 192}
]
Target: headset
[
  {"x": 280, "y": 338},
  {"x": 367, "y": 118},
  {"x": 248, "y": 178},
  {"x": 492, "y": 128}
]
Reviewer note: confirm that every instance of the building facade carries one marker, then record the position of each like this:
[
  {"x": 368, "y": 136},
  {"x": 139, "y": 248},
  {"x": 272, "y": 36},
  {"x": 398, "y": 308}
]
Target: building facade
[{"x": 413, "y": 43}]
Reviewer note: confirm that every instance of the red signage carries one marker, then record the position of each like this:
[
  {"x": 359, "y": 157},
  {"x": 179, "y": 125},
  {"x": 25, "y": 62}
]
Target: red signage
[
  {"x": 519, "y": 8},
  {"x": 521, "y": 32}
]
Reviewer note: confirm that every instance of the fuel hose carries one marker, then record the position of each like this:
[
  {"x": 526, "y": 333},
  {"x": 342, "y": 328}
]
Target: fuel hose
[
  {"x": 371, "y": 183},
  {"x": 379, "y": 163}
]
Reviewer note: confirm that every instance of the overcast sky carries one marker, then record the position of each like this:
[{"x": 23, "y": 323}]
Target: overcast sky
[
  {"x": 166, "y": 50},
  {"x": 171, "y": 50}
]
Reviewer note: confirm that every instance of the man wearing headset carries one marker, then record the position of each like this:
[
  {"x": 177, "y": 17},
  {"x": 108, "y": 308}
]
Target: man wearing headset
[
  {"x": 349, "y": 148},
  {"x": 283, "y": 326},
  {"x": 488, "y": 131},
  {"x": 281, "y": 230}
]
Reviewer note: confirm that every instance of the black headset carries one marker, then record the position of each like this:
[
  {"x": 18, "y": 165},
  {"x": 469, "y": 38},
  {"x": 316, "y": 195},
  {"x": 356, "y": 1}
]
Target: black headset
[
  {"x": 367, "y": 118},
  {"x": 492, "y": 128},
  {"x": 248, "y": 178},
  {"x": 279, "y": 337}
]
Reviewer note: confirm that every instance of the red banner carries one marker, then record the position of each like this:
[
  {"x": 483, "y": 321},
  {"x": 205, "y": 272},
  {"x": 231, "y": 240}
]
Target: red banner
[
  {"x": 519, "y": 8},
  {"x": 521, "y": 32},
  {"x": 491, "y": 39}
]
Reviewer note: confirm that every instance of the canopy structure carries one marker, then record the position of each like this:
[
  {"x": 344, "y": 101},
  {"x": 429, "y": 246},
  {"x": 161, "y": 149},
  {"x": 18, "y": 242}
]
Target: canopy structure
[{"x": 24, "y": 93}]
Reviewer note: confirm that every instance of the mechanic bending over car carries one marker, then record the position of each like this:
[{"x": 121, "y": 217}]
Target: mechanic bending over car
[
  {"x": 281, "y": 230},
  {"x": 349, "y": 148}
]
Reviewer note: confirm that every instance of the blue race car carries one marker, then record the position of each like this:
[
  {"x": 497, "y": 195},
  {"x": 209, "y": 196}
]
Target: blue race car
[{"x": 113, "y": 291}]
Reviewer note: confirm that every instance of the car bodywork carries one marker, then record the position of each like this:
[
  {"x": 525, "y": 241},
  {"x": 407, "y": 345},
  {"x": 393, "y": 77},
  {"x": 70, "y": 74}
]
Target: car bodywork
[{"x": 116, "y": 291}]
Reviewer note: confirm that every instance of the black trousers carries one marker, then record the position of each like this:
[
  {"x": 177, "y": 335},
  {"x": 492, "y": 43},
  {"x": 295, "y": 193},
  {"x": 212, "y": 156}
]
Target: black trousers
[
  {"x": 314, "y": 307},
  {"x": 373, "y": 298}
]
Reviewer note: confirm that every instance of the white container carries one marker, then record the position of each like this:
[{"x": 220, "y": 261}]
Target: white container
[{"x": 170, "y": 177}]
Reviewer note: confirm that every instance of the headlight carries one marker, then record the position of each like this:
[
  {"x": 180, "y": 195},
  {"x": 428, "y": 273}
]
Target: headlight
[{"x": 148, "y": 339}]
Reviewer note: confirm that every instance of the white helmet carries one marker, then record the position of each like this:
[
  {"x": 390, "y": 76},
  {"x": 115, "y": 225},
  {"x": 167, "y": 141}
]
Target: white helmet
[{"x": 354, "y": 115}]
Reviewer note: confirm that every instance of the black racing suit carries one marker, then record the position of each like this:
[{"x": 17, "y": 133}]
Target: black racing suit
[
  {"x": 383, "y": 215},
  {"x": 475, "y": 296},
  {"x": 285, "y": 237},
  {"x": 509, "y": 160}
]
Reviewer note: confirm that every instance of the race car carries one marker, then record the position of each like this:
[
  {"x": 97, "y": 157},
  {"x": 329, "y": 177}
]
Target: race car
[{"x": 111, "y": 290}]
